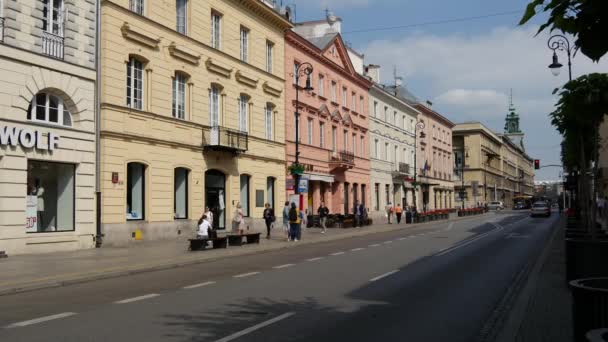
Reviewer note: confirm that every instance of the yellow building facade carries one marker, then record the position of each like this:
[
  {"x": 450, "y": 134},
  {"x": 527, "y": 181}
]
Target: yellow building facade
[{"x": 192, "y": 112}]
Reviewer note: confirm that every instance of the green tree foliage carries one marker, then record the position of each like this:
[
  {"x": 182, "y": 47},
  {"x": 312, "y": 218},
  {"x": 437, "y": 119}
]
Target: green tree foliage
[{"x": 586, "y": 20}]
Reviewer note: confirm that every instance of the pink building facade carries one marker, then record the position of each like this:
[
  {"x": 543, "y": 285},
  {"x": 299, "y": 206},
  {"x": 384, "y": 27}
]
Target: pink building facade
[{"x": 333, "y": 123}]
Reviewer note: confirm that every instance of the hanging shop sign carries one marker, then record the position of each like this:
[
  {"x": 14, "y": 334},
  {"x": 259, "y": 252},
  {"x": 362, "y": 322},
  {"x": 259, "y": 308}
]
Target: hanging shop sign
[
  {"x": 31, "y": 214},
  {"x": 28, "y": 138}
]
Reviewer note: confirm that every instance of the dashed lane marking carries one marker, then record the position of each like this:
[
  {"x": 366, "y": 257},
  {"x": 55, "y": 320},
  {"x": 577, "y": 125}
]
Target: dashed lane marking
[
  {"x": 383, "y": 275},
  {"x": 283, "y": 266},
  {"x": 357, "y": 249},
  {"x": 375, "y": 245},
  {"x": 136, "y": 299},
  {"x": 387, "y": 242},
  {"x": 40, "y": 320},
  {"x": 245, "y": 275},
  {"x": 195, "y": 286},
  {"x": 337, "y": 253},
  {"x": 314, "y": 259}
]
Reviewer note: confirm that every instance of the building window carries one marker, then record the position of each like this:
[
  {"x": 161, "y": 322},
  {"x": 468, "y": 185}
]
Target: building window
[
  {"x": 296, "y": 65},
  {"x": 270, "y": 191},
  {"x": 269, "y": 56},
  {"x": 309, "y": 132},
  {"x": 404, "y": 122},
  {"x": 333, "y": 92},
  {"x": 180, "y": 186},
  {"x": 396, "y": 154},
  {"x": 376, "y": 147},
  {"x": 136, "y": 178},
  {"x": 362, "y": 153},
  {"x": 321, "y": 134},
  {"x": 387, "y": 193},
  {"x": 334, "y": 134},
  {"x": 386, "y": 153},
  {"x": 354, "y": 101},
  {"x": 361, "y": 104},
  {"x": 49, "y": 109},
  {"x": 179, "y": 96},
  {"x": 216, "y": 30},
  {"x": 385, "y": 118},
  {"x": 53, "y": 17},
  {"x": 375, "y": 109},
  {"x": 344, "y": 98},
  {"x": 345, "y": 139},
  {"x": 321, "y": 87},
  {"x": 363, "y": 201},
  {"x": 377, "y": 196},
  {"x": 137, "y": 6},
  {"x": 395, "y": 120},
  {"x": 214, "y": 106},
  {"x": 243, "y": 103},
  {"x": 135, "y": 83},
  {"x": 244, "y": 44},
  {"x": 50, "y": 197},
  {"x": 245, "y": 194},
  {"x": 182, "y": 15},
  {"x": 354, "y": 144},
  {"x": 268, "y": 121}
]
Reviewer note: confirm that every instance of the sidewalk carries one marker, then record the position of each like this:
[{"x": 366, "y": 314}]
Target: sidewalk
[{"x": 543, "y": 311}]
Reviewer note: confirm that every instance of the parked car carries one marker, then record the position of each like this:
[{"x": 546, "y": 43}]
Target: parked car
[
  {"x": 540, "y": 208},
  {"x": 496, "y": 206},
  {"x": 519, "y": 206}
]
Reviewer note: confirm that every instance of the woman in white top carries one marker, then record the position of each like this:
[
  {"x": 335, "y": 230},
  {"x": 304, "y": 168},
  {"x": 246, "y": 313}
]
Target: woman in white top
[
  {"x": 209, "y": 215},
  {"x": 203, "y": 228},
  {"x": 238, "y": 222}
]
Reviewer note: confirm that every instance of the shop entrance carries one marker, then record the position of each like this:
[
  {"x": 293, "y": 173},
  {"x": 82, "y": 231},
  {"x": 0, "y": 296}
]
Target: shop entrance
[{"x": 215, "y": 197}]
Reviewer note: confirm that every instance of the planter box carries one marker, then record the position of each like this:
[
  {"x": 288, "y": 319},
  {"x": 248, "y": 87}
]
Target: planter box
[
  {"x": 586, "y": 258},
  {"x": 589, "y": 306}
]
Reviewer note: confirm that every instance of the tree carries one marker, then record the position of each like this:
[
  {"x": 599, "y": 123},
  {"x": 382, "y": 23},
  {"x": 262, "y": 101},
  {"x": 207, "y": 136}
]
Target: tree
[
  {"x": 586, "y": 20},
  {"x": 579, "y": 112}
]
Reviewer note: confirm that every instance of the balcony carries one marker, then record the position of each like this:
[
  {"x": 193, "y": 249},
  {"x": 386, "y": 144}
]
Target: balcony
[
  {"x": 341, "y": 161},
  {"x": 52, "y": 45},
  {"x": 400, "y": 170},
  {"x": 222, "y": 139}
]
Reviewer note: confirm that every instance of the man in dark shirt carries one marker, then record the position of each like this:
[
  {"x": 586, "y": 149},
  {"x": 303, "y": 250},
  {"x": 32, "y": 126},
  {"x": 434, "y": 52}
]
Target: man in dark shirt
[{"x": 323, "y": 212}]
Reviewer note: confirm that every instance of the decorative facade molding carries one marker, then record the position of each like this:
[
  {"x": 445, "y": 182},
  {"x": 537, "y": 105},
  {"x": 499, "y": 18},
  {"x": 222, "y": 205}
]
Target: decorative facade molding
[
  {"x": 246, "y": 80},
  {"x": 272, "y": 90},
  {"x": 139, "y": 36},
  {"x": 213, "y": 66},
  {"x": 184, "y": 54}
]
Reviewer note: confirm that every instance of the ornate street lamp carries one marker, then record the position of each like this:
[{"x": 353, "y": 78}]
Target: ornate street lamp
[
  {"x": 304, "y": 69},
  {"x": 419, "y": 126},
  {"x": 561, "y": 43}
]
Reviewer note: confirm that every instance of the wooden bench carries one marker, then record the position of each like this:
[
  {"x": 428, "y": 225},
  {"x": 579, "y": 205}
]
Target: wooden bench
[
  {"x": 216, "y": 242},
  {"x": 252, "y": 238},
  {"x": 235, "y": 240}
]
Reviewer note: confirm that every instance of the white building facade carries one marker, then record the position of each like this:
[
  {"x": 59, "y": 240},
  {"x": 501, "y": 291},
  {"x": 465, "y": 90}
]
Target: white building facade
[{"x": 47, "y": 125}]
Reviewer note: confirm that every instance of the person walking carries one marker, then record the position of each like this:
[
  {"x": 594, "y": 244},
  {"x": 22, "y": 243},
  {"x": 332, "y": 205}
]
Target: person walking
[
  {"x": 358, "y": 212},
  {"x": 398, "y": 212},
  {"x": 286, "y": 227},
  {"x": 238, "y": 222},
  {"x": 268, "y": 218},
  {"x": 294, "y": 223},
  {"x": 323, "y": 212},
  {"x": 389, "y": 211}
]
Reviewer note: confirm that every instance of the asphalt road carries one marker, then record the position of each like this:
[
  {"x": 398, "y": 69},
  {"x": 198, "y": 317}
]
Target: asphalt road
[{"x": 441, "y": 282}]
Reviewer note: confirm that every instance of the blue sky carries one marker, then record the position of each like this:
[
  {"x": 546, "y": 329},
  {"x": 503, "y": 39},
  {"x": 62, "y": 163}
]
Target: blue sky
[{"x": 465, "y": 68}]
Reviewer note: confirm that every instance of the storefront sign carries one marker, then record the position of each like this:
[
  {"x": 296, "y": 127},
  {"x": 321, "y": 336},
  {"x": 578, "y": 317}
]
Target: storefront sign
[
  {"x": 27, "y": 138},
  {"x": 31, "y": 214}
]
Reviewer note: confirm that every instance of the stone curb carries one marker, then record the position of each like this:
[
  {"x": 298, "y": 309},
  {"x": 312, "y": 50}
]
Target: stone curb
[{"x": 34, "y": 285}]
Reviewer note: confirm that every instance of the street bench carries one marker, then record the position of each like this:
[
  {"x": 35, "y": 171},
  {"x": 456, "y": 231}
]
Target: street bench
[{"x": 216, "y": 242}]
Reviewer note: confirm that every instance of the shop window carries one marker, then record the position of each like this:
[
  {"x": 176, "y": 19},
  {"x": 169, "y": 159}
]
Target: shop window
[
  {"x": 245, "y": 194},
  {"x": 136, "y": 178},
  {"x": 180, "y": 204},
  {"x": 50, "y": 197},
  {"x": 49, "y": 108}
]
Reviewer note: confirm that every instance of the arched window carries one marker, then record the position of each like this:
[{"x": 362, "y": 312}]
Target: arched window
[
  {"x": 135, "y": 83},
  {"x": 49, "y": 108},
  {"x": 136, "y": 191},
  {"x": 180, "y": 203}
]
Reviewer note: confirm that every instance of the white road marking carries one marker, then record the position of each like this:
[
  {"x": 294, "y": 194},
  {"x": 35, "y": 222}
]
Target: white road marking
[
  {"x": 387, "y": 242},
  {"x": 402, "y": 238},
  {"x": 245, "y": 275},
  {"x": 375, "y": 245},
  {"x": 357, "y": 249},
  {"x": 384, "y": 275},
  {"x": 40, "y": 320},
  {"x": 195, "y": 286},
  {"x": 283, "y": 266},
  {"x": 135, "y": 299},
  {"x": 450, "y": 227},
  {"x": 315, "y": 259},
  {"x": 256, "y": 327},
  {"x": 453, "y": 248},
  {"x": 337, "y": 253}
]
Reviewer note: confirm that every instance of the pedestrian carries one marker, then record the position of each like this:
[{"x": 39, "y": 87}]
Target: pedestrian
[
  {"x": 358, "y": 212},
  {"x": 203, "y": 228},
  {"x": 268, "y": 218},
  {"x": 323, "y": 211},
  {"x": 209, "y": 215},
  {"x": 294, "y": 222},
  {"x": 238, "y": 221},
  {"x": 286, "y": 228},
  {"x": 398, "y": 212},
  {"x": 389, "y": 211}
]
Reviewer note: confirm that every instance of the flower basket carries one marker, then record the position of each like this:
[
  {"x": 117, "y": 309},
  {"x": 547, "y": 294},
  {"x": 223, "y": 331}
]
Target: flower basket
[{"x": 296, "y": 169}]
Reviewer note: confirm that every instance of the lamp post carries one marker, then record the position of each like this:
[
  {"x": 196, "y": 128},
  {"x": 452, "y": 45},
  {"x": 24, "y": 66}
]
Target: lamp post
[
  {"x": 419, "y": 125},
  {"x": 561, "y": 43},
  {"x": 304, "y": 69}
]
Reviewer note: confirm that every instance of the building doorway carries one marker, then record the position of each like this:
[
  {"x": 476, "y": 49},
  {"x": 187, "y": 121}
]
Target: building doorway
[{"x": 215, "y": 197}]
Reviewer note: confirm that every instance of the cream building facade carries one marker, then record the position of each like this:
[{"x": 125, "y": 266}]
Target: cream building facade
[
  {"x": 47, "y": 125},
  {"x": 193, "y": 115}
]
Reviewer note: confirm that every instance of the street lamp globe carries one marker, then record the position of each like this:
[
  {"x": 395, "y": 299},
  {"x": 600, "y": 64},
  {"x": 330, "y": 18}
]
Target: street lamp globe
[{"x": 556, "y": 66}]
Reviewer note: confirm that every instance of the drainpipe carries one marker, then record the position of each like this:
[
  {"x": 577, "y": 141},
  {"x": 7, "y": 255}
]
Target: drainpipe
[{"x": 99, "y": 234}]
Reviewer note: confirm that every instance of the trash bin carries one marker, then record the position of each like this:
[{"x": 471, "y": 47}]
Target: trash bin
[{"x": 408, "y": 217}]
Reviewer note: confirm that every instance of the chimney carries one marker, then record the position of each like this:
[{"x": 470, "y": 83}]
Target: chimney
[
  {"x": 429, "y": 104},
  {"x": 373, "y": 72}
]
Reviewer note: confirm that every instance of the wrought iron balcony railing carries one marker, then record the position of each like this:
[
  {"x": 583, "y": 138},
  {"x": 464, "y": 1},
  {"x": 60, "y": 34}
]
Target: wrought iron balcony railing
[
  {"x": 52, "y": 45},
  {"x": 220, "y": 138},
  {"x": 344, "y": 157}
]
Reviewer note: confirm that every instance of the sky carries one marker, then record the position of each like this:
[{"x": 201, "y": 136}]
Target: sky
[{"x": 466, "y": 68}]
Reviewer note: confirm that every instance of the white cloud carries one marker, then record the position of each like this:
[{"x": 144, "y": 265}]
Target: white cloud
[{"x": 469, "y": 77}]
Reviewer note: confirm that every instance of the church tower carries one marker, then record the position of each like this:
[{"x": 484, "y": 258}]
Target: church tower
[{"x": 512, "y": 125}]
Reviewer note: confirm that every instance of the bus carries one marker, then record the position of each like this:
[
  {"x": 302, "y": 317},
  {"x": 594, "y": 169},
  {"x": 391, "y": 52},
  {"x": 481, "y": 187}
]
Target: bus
[{"x": 522, "y": 202}]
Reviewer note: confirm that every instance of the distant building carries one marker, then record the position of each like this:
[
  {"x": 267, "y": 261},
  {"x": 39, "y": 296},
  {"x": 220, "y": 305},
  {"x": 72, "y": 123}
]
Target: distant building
[{"x": 512, "y": 130}]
